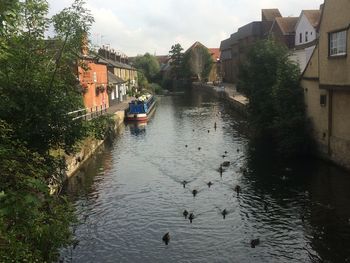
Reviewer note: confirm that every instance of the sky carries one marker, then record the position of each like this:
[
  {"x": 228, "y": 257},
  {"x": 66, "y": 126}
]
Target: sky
[{"x": 135, "y": 27}]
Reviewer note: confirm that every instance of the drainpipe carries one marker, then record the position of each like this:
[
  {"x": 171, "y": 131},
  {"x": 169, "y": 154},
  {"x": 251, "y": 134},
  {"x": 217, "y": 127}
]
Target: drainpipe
[{"x": 330, "y": 120}]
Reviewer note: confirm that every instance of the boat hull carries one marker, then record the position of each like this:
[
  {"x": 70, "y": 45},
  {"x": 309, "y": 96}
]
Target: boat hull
[{"x": 142, "y": 116}]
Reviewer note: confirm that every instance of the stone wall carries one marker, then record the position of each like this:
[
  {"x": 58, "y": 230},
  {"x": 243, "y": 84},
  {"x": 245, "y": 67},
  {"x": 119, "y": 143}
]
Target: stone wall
[{"x": 88, "y": 147}]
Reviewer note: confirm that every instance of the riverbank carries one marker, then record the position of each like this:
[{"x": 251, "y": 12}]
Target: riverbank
[
  {"x": 229, "y": 92},
  {"x": 90, "y": 145}
]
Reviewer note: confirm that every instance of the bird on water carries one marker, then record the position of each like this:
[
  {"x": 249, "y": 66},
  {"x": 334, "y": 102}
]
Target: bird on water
[
  {"x": 191, "y": 217},
  {"x": 185, "y": 213},
  {"x": 254, "y": 242},
  {"x": 166, "y": 238}
]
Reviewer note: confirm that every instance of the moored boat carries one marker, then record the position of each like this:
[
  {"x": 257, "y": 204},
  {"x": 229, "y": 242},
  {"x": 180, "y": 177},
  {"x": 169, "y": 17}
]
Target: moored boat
[{"x": 141, "y": 108}]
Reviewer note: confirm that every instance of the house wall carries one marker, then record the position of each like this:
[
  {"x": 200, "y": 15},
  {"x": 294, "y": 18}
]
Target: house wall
[
  {"x": 96, "y": 75},
  {"x": 336, "y": 17},
  {"x": 340, "y": 137},
  {"x": 302, "y": 27},
  {"x": 331, "y": 122},
  {"x": 316, "y": 113}
]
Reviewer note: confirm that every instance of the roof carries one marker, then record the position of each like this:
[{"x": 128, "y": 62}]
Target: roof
[
  {"x": 195, "y": 44},
  {"x": 113, "y": 79},
  {"x": 270, "y": 14},
  {"x": 251, "y": 29},
  {"x": 287, "y": 24},
  {"x": 162, "y": 59},
  {"x": 313, "y": 16},
  {"x": 215, "y": 53},
  {"x": 226, "y": 43}
]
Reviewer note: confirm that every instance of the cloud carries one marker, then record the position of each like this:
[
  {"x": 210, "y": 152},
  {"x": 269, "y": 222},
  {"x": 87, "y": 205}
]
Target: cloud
[{"x": 137, "y": 26}]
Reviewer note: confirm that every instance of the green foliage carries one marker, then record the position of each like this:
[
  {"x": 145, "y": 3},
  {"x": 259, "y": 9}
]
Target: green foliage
[
  {"x": 101, "y": 127},
  {"x": 38, "y": 85},
  {"x": 142, "y": 80},
  {"x": 167, "y": 83},
  {"x": 33, "y": 224},
  {"x": 148, "y": 65},
  {"x": 276, "y": 108},
  {"x": 176, "y": 61},
  {"x": 156, "y": 88}
]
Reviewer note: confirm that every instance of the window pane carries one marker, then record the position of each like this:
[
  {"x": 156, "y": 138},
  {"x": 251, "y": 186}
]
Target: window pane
[{"x": 337, "y": 43}]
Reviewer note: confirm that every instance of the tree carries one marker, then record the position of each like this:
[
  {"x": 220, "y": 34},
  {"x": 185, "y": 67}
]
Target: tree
[
  {"x": 33, "y": 224},
  {"x": 176, "y": 61},
  {"x": 38, "y": 83},
  {"x": 276, "y": 108},
  {"x": 149, "y": 65},
  {"x": 38, "y": 87}
]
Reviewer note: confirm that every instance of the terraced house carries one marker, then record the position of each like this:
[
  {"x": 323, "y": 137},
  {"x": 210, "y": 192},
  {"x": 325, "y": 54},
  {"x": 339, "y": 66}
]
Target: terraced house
[{"x": 326, "y": 83}]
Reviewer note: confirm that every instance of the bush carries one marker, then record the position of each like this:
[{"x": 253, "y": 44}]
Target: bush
[
  {"x": 156, "y": 88},
  {"x": 101, "y": 127}
]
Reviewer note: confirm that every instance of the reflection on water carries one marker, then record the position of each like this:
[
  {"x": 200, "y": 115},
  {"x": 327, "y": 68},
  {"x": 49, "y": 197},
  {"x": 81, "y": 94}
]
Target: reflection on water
[{"x": 132, "y": 193}]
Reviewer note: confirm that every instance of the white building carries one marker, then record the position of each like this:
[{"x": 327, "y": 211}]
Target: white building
[{"x": 306, "y": 34}]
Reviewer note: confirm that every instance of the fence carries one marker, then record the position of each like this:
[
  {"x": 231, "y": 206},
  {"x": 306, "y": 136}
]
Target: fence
[{"x": 88, "y": 113}]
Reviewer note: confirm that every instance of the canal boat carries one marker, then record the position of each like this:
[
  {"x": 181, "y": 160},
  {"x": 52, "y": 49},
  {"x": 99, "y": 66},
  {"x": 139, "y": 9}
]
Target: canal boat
[{"x": 141, "y": 108}]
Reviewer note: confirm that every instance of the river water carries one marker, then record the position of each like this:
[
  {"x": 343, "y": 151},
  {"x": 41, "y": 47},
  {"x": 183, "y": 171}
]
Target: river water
[{"x": 129, "y": 195}]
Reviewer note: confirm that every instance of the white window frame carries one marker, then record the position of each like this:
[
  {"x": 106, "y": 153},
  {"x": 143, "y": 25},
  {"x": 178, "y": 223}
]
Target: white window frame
[{"x": 337, "y": 43}]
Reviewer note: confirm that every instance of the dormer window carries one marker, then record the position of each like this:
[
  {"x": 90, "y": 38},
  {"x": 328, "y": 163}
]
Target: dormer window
[{"x": 337, "y": 43}]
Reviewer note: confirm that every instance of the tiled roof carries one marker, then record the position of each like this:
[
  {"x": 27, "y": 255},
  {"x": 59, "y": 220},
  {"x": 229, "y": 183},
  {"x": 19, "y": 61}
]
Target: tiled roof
[
  {"x": 113, "y": 79},
  {"x": 215, "y": 53},
  {"x": 287, "y": 24},
  {"x": 270, "y": 14},
  {"x": 313, "y": 16}
]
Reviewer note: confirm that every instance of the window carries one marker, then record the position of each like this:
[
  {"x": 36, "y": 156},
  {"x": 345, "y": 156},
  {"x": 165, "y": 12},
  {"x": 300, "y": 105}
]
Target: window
[
  {"x": 306, "y": 36},
  {"x": 300, "y": 38},
  {"x": 337, "y": 43},
  {"x": 323, "y": 100}
]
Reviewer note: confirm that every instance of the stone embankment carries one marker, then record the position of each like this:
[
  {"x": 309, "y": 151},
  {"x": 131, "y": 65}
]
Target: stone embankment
[
  {"x": 90, "y": 145},
  {"x": 229, "y": 92}
]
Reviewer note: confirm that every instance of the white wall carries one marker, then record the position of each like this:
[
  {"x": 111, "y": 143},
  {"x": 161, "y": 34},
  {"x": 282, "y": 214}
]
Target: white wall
[{"x": 302, "y": 27}]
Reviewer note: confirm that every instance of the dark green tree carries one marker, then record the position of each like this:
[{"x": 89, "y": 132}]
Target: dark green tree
[
  {"x": 38, "y": 80},
  {"x": 176, "y": 61},
  {"x": 149, "y": 65},
  {"x": 38, "y": 87},
  {"x": 33, "y": 224},
  {"x": 276, "y": 107}
]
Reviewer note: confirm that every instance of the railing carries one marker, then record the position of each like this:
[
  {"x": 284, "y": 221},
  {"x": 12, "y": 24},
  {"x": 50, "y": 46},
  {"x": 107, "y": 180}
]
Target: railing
[{"x": 88, "y": 113}]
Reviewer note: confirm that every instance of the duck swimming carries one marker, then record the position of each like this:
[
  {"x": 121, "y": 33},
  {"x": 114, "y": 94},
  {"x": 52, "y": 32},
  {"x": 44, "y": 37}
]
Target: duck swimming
[
  {"x": 226, "y": 164},
  {"x": 199, "y": 148},
  {"x": 194, "y": 192},
  {"x": 209, "y": 184},
  {"x": 191, "y": 217},
  {"x": 166, "y": 238},
  {"x": 185, "y": 213},
  {"x": 254, "y": 242},
  {"x": 224, "y": 213},
  {"x": 184, "y": 182},
  {"x": 237, "y": 189}
]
